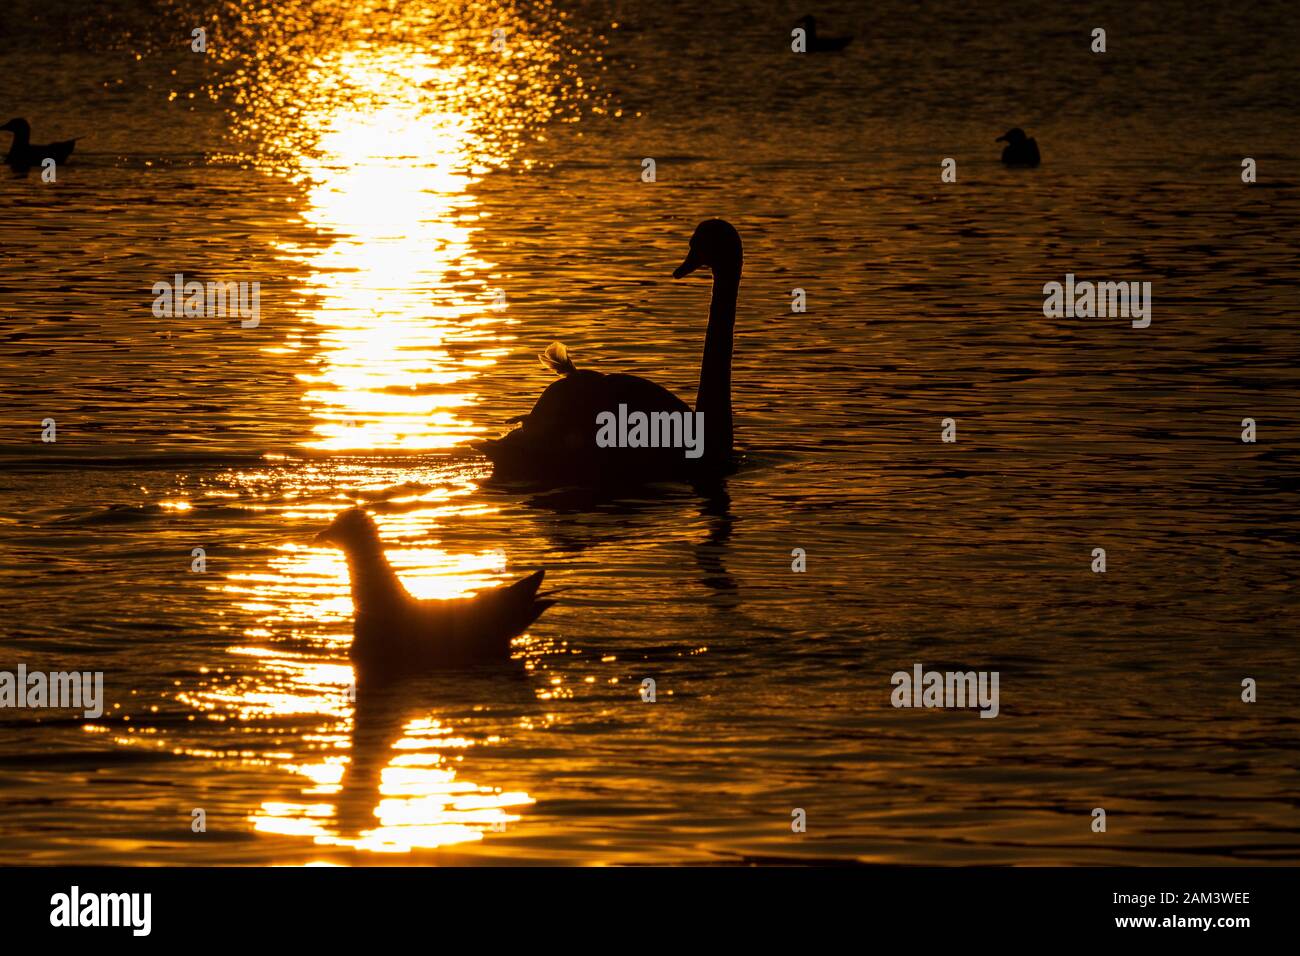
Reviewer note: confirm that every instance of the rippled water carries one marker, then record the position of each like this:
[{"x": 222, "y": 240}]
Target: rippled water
[{"x": 425, "y": 214}]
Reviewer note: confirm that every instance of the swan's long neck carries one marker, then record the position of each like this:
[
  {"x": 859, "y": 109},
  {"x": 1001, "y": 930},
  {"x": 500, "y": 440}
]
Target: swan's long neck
[
  {"x": 375, "y": 585},
  {"x": 714, "y": 397}
]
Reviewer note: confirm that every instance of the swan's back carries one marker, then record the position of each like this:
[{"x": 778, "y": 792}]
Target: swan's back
[
  {"x": 557, "y": 439},
  {"x": 584, "y": 394}
]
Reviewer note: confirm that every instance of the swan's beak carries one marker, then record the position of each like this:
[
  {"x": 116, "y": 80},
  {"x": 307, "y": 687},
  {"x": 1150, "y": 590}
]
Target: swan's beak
[
  {"x": 1002, "y": 139},
  {"x": 323, "y": 538},
  {"x": 689, "y": 265}
]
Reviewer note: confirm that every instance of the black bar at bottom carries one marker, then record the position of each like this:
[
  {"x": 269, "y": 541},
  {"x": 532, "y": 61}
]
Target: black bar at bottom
[{"x": 652, "y": 906}]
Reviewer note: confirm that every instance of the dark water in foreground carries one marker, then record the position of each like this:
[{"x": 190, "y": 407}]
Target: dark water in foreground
[{"x": 384, "y": 174}]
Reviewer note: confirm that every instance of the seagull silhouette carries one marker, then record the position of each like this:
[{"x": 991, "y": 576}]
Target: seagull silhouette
[{"x": 395, "y": 634}]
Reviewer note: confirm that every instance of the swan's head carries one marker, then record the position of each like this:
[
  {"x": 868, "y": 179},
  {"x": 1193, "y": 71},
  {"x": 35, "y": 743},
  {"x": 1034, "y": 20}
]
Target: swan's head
[
  {"x": 17, "y": 127},
  {"x": 716, "y": 244},
  {"x": 350, "y": 530},
  {"x": 1016, "y": 135}
]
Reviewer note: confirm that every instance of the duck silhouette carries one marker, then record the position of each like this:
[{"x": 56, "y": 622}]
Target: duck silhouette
[
  {"x": 556, "y": 443},
  {"x": 1020, "y": 150},
  {"x": 23, "y": 155},
  {"x": 815, "y": 44},
  {"x": 395, "y": 635}
]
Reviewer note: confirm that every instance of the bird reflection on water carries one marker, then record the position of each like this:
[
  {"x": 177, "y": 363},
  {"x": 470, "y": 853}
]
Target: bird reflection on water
[{"x": 382, "y": 716}]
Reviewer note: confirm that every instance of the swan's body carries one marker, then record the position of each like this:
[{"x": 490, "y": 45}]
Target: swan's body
[
  {"x": 394, "y": 634},
  {"x": 1021, "y": 150},
  {"x": 556, "y": 442},
  {"x": 23, "y": 155},
  {"x": 817, "y": 44}
]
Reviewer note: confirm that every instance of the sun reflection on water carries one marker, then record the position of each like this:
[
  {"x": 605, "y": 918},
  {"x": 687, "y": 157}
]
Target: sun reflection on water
[
  {"x": 422, "y": 803},
  {"x": 404, "y": 313},
  {"x": 385, "y": 119}
]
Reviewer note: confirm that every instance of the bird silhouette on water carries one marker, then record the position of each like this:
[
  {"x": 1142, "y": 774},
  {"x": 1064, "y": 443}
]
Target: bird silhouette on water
[
  {"x": 1021, "y": 150},
  {"x": 819, "y": 44},
  {"x": 23, "y": 155},
  {"x": 395, "y": 634},
  {"x": 556, "y": 442}
]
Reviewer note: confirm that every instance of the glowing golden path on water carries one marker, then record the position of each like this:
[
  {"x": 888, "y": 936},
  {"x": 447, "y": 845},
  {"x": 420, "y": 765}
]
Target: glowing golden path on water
[
  {"x": 404, "y": 310},
  {"x": 402, "y": 321},
  {"x": 384, "y": 116}
]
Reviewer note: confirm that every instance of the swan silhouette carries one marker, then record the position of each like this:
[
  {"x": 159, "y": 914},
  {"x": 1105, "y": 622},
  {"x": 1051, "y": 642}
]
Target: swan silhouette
[
  {"x": 556, "y": 443},
  {"x": 394, "y": 634},
  {"x": 23, "y": 155},
  {"x": 1021, "y": 150},
  {"x": 814, "y": 43}
]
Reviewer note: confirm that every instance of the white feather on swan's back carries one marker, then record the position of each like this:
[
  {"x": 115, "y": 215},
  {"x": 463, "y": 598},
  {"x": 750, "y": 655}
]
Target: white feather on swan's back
[{"x": 556, "y": 357}]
